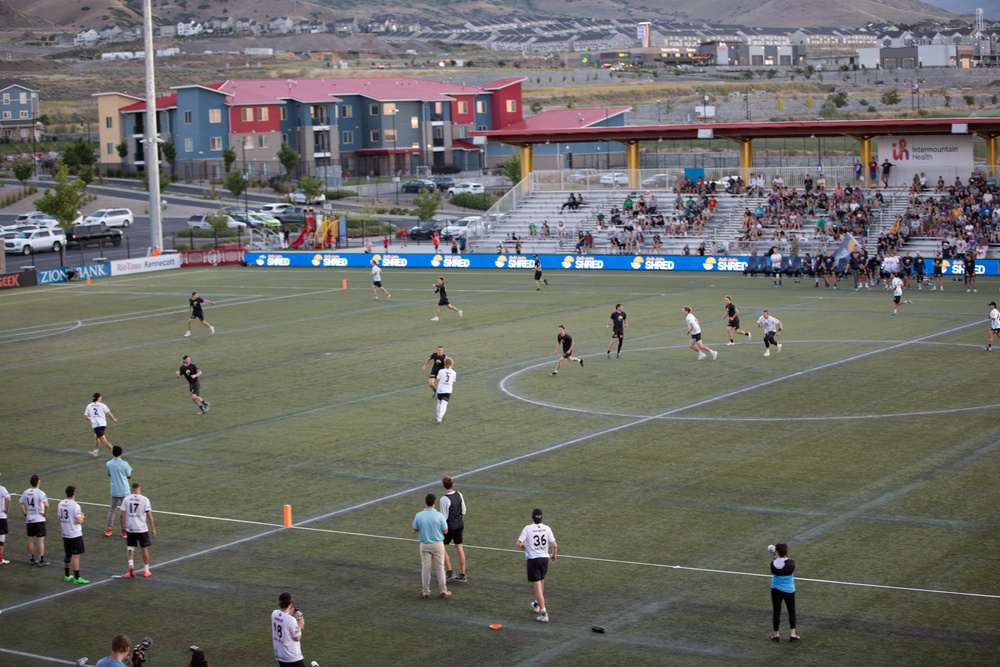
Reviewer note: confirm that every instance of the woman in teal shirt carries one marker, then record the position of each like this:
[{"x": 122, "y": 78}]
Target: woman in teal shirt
[{"x": 782, "y": 589}]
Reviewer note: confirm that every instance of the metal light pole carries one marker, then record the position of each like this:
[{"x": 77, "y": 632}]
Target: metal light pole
[
  {"x": 246, "y": 182},
  {"x": 658, "y": 112},
  {"x": 395, "y": 110},
  {"x": 152, "y": 166}
]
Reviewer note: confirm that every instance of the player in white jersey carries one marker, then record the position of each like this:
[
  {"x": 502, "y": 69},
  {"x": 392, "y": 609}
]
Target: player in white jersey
[
  {"x": 71, "y": 522},
  {"x": 35, "y": 505},
  {"x": 534, "y": 540},
  {"x": 377, "y": 282},
  {"x": 994, "y": 318},
  {"x": 137, "y": 524},
  {"x": 97, "y": 413},
  {"x": 896, "y": 285},
  {"x": 4, "y": 508},
  {"x": 776, "y": 259},
  {"x": 772, "y": 328},
  {"x": 445, "y": 381},
  {"x": 694, "y": 329},
  {"x": 286, "y": 632}
]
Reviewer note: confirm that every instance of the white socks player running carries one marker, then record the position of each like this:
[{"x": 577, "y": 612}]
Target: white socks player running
[{"x": 442, "y": 407}]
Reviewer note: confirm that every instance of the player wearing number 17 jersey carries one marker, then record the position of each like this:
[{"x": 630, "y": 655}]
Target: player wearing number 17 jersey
[
  {"x": 137, "y": 523},
  {"x": 535, "y": 540}
]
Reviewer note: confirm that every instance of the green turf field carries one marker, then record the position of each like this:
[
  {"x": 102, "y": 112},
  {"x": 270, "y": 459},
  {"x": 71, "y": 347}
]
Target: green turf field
[{"x": 868, "y": 444}]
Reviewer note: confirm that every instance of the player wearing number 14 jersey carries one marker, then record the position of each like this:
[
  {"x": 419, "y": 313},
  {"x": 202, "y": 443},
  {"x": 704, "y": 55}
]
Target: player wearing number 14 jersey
[{"x": 137, "y": 523}]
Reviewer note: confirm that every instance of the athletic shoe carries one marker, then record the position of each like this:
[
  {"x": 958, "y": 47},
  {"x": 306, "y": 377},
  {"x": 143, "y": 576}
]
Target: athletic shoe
[
  {"x": 461, "y": 578},
  {"x": 130, "y": 574},
  {"x": 609, "y": 354},
  {"x": 68, "y": 577},
  {"x": 543, "y": 617},
  {"x": 388, "y": 296},
  {"x": 427, "y": 596},
  {"x": 434, "y": 319},
  {"x": 618, "y": 355},
  {"x": 187, "y": 334},
  {"x": 107, "y": 532},
  {"x": 449, "y": 575},
  {"x": 4, "y": 562},
  {"x": 459, "y": 313},
  {"x": 749, "y": 336},
  {"x": 909, "y": 302},
  {"x": 147, "y": 574},
  {"x": 43, "y": 563},
  {"x": 834, "y": 287},
  {"x": 767, "y": 353},
  {"x": 446, "y": 594},
  {"x": 535, "y": 607},
  {"x": 374, "y": 298},
  {"x": 545, "y": 282},
  {"x": 554, "y": 373},
  {"x": 201, "y": 409},
  {"x": 967, "y": 291},
  {"x": 779, "y": 347},
  {"x": 701, "y": 355},
  {"x": 989, "y": 349},
  {"x": 538, "y": 289},
  {"x": 212, "y": 329},
  {"x": 933, "y": 287},
  {"x": 437, "y": 421},
  {"x": 207, "y": 405},
  {"x": 894, "y": 313},
  {"x": 714, "y": 355},
  {"x": 80, "y": 580},
  {"x": 93, "y": 453},
  {"x": 581, "y": 362},
  {"x": 730, "y": 343}
]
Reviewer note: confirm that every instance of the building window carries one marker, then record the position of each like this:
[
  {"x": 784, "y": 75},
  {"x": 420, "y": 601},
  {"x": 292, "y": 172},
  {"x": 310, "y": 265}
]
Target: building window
[
  {"x": 188, "y": 117},
  {"x": 376, "y": 136},
  {"x": 262, "y": 113},
  {"x": 373, "y": 109},
  {"x": 463, "y": 107},
  {"x": 283, "y": 113},
  {"x": 482, "y": 128},
  {"x": 6, "y": 115},
  {"x": 109, "y": 148},
  {"x": 23, "y": 98},
  {"x": 24, "y": 113},
  {"x": 188, "y": 145},
  {"x": 389, "y": 108},
  {"x": 215, "y": 115},
  {"x": 6, "y": 98},
  {"x": 262, "y": 141},
  {"x": 511, "y": 106},
  {"x": 216, "y": 143},
  {"x": 216, "y": 171},
  {"x": 109, "y": 122},
  {"x": 390, "y": 135},
  {"x": 246, "y": 114},
  {"x": 346, "y": 111},
  {"x": 347, "y": 137},
  {"x": 463, "y": 132},
  {"x": 480, "y": 106},
  {"x": 414, "y": 122},
  {"x": 284, "y": 138}
]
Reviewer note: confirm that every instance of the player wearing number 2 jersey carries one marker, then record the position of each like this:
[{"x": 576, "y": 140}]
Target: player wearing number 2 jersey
[
  {"x": 97, "y": 413},
  {"x": 535, "y": 540},
  {"x": 137, "y": 524}
]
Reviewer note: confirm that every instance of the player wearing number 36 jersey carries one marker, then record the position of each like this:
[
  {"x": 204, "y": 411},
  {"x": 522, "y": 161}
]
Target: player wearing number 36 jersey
[{"x": 535, "y": 540}]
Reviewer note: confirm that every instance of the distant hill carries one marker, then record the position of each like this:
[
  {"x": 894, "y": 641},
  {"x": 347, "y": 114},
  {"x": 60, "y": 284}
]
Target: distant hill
[{"x": 14, "y": 14}]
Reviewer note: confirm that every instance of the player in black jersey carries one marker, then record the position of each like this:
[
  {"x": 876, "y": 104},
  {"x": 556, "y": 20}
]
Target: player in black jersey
[
  {"x": 192, "y": 374},
  {"x": 196, "y": 312},
  {"x": 732, "y": 318},
  {"x": 442, "y": 293},
  {"x": 538, "y": 275},
  {"x": 436, "y": 360},
  {"x": 618, "y": 320},
  {"x": 565, "y": 341}
]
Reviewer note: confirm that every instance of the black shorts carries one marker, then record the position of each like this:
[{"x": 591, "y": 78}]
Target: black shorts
[
  {"x": 618, "y": 334},
  {"x": 453, "y": 535},
  {"x": 99, "y": 431},
  {"x": 297, "y": 663},
  {"x": 537, "y": 567},
  {"x": 377, "y": 283},
  {"x": 937, "y": 272},
  {"x": 444, "y": 397},
  {"x": 73, "y": 546},
  {"x": 696, "y": 336},
  {"x": 443, "y": 301},
  {"x": 200, "y": 315},
  {"x": 138, "y": 540},
  {"x": 567, "y": 355},
  {"x": 538, "y": 275},
  {"x": 36, "y": 529},
  {"x": 195, "y": 387},
  {"x": 895, "y": 299},
  {"x": 735, "y": 323},
  {"x": 3, "y": 529}
]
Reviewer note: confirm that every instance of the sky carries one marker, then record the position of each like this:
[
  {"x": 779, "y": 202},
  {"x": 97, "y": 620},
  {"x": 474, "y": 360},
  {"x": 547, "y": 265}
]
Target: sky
[{"x": 991, "y": 8}]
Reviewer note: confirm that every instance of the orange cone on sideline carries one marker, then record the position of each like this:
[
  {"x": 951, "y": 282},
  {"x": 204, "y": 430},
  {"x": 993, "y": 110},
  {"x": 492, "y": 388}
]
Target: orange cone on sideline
[
  {"x": 288, "y": 516},
  {"x": 88, "y": 280},
  {"x": 344, "y": 284}
]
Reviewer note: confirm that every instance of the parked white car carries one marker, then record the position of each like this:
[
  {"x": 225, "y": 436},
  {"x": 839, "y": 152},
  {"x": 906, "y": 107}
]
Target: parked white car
[
  {"x": 112, "y": 217},
  {"x": 299, "y": 197},
  {"x": 458, "y": 228},
  {"x": 660, "y": 181},
  {"x": 614, "y": 178},
  {"x": 582, "y": 176},
  {"x": 40, "y": 240},
  {"x": 271, "y": 209},
  {"x": 200, "y": 221},
  {"x": 31, "y": 218},
  {"x": 469, "y": 188}
]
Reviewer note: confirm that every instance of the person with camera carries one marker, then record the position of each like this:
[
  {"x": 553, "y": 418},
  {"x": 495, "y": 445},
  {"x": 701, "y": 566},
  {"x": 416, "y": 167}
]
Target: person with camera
[
  {"x": 286, "y": 632},
  {"x": 782, "y": 589},
  {"x": 120, "y": 648}
]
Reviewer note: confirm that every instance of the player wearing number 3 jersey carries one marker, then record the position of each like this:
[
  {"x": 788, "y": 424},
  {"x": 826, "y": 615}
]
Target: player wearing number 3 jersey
[{"x": 535, "y": 540}]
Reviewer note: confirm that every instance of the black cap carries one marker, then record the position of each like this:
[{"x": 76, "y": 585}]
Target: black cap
[
  {"x": 285, "y": 599},
  {"x": 198, "y": 658},
  {"x": 993, "y": 303},
  {"x": 536, "y": 514}
]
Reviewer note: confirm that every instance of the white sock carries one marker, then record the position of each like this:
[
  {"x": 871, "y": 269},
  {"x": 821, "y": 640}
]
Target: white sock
[
  {"x": 131, "y": 564},
  {"x": 442, "y": 408}
]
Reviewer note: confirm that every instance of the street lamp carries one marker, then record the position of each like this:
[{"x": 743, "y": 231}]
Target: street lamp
[
  {"x": 392, "y": 160},
  {"x": 746, "y": 101},
  {"x": 658, "y": 112}
]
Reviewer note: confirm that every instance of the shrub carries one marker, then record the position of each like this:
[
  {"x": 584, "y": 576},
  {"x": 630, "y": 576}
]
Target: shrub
[
  {"x": 341, "y": 193},
  {"x": 446, "y": 169},
  {"x": 476, "y": 202}
]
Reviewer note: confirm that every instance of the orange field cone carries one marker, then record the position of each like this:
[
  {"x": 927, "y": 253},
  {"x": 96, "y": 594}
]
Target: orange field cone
[
  {"x": 288, "y": 516},
  {"x": 88, "y": 280},
  {"x": 344, "y": 284}
]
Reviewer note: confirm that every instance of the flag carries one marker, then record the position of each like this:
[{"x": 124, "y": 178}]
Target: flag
[{"x": 843, "y": 254}]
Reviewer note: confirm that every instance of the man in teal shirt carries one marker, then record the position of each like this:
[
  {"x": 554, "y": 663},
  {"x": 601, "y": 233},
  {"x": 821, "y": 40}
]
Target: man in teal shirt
[
  {"x": 120, "y": 473},
  {"x": 431, "y": 527}
]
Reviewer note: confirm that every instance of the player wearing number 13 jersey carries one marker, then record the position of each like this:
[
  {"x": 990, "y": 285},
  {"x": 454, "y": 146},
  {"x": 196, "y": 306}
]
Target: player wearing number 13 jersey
[{"x": 535, "y": 540}]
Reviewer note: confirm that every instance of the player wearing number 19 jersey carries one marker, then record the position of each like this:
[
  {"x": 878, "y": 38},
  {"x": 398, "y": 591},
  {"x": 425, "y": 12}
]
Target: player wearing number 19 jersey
[
  {"x": 137, "y": 523},
  {"x": 535, "y": 540}
]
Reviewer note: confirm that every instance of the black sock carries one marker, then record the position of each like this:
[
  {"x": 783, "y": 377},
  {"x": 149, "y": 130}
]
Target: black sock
[
  {"x": 76, "y": 573},
  {"x": 747, "y": 334},
  {"x": 66, "y": 569}
]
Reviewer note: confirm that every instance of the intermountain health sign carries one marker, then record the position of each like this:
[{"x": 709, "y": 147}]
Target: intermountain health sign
[{"x": 947, "y": 155}]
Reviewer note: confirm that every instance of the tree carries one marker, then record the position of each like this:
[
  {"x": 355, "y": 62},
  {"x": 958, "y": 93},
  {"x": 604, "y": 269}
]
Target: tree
[
  {"x": 169, "y": 151},
  {"x": 80, "y": 152},
  {"x": 63, "y": 201},
  {"x": 235, "y": 183},
  {"x": 426, "y": 204},
  {"x": 970, "y": 100},
  {"x": 288, "y": 158},
  {"x": 219, "y": 220},
  {"x": 165, "y": 180},
  {"x": 122, "y": 150},
  {"x": 838, "y": 99},
  {"x": 23, "y": 169},
  {"x": 311, "y": 186},
  {"x": 512, "y": 168},
  {"x": 228, "y": 157},
  {"x": 536, "y": 106},
  {"x": 891, "y": 97},
  {"x": 809, "y": 102},
  {"x": 779, "y": 104},
  {"x": 86, "y": 175}
]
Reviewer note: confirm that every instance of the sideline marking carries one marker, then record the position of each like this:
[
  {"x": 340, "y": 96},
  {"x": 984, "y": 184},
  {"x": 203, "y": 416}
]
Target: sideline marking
[{"x": 58, "y": 661}]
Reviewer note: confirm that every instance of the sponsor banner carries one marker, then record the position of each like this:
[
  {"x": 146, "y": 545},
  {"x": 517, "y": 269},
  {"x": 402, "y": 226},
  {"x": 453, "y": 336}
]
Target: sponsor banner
[
  {"x": 929, "y": 154},
  {"x": 219, "y": 256},
  {"x": 84, "y": 271},
  {"x": 714, "y": 264},
  {"x": 19, "y": 279},
  {"x": 121, "y": 267}
]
